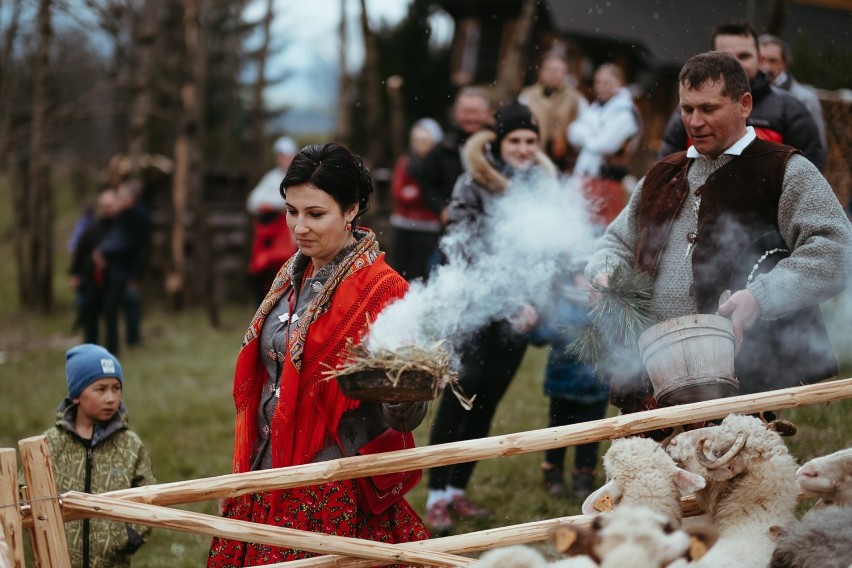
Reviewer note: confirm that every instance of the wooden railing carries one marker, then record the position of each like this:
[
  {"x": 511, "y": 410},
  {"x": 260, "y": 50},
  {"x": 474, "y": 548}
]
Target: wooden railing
[{"x": 43, "y": 511}]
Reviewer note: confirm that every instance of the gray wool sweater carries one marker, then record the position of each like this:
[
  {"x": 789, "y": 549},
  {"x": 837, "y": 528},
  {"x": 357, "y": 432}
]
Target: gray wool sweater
[{"x": 810, "y": 220}]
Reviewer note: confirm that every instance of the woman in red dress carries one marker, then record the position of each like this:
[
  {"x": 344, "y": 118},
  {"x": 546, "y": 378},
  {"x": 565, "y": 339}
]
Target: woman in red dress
[{"x": 288, "y": 413}]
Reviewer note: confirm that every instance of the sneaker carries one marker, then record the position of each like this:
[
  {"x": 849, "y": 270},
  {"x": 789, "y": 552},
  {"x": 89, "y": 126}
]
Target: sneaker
[
  {"x": 464, "y": 508},
  {"x": 438, "y": 518},
  {"x": 582, "y": 482},
  {"x": 554, "y": 482}
]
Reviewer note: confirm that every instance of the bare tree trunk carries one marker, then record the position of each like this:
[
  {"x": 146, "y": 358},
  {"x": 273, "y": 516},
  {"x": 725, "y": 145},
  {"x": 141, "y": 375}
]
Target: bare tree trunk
[
  {"x": 8, "y": 150},
  {"x": 8, "y": 79},
  {"x": 372, "y": 92},
  {"x": 187, "y": 187},
  {"x": 260, "y": 151},
  {"x": 39, "y": 242},
  {"x": 185, "y": 155},
  {"x": 343, "y": 131},
  {"x": 511, "y": 74},
  {"x": 207, "y": 283},
  {"x": 140, "y": 106}
]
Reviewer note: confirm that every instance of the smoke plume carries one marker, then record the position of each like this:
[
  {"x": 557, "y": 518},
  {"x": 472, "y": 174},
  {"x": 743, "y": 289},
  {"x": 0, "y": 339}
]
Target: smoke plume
[{"x": 514, "y": 257}]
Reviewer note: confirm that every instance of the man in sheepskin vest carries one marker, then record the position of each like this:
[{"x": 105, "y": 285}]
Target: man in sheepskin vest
[{"x": 738, "y": 213}]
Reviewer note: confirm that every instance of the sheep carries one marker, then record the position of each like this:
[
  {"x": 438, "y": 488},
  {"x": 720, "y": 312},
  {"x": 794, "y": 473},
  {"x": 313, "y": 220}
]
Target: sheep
[
  {"x": 639, "y": 472},
  {"x": 823, "y": 539},
  {"x": 631, "y": 536},
  {"x": 751, "y": 486},
  {"x": 516, "y": 556},
  {"x": 519, "y": 556},
  {"x": 829, "y": 478}
]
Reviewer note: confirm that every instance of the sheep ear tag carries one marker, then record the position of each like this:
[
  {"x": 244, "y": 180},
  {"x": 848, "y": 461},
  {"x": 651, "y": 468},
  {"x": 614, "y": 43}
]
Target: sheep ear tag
[
  {"x": 697, "y": 548},
  {"x": 602, "y": 500},
  {"x": 563, "y": 537},
  {"x": 604, "y": 504}
]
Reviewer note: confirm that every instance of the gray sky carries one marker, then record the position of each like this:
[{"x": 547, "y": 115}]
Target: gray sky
[{"x": 309, "y": 32}]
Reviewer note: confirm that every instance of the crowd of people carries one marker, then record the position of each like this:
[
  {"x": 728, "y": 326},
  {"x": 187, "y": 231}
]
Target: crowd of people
[{"x": 737, "y": 184}]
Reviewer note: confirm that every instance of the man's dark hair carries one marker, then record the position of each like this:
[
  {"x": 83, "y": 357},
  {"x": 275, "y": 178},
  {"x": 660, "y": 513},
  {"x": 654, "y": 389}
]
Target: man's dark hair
[
  {"x": 715, "y": 66},
  {"x": 734, "y": 27}
]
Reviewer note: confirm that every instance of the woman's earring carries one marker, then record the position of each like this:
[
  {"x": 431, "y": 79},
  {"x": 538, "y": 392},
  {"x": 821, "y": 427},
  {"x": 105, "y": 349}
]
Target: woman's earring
[{"x": 349, "y": 226}]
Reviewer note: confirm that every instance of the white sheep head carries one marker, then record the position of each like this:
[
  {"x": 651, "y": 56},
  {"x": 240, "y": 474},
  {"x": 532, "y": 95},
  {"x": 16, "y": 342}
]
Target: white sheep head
[
  {"x": 723, "y": 452},
  {"x": 632, "y": 536},
  {"x": 639, "y": 472},
  {"x": 829, "y": 478}
]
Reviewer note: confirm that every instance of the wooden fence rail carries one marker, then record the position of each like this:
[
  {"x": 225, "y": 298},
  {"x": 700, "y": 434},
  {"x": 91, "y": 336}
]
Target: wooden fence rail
[{"x": 148, "y": 505}]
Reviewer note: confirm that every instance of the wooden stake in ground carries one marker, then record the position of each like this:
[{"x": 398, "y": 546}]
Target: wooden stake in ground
[
  {"x": 50, "y": 546},
  {"x": 11, "y": 528}
]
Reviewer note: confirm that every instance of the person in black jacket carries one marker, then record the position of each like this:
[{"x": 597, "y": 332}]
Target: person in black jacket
[
  {"x": 122, "y": 254},
  {"x": 438, "y": 171},
  {"x": 85, "y": 278},
  {"x": 776, "y": 115}
]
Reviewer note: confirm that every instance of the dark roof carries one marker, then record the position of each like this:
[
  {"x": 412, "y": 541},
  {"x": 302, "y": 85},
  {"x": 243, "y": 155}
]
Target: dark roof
[{"x": 668, "y": 32}]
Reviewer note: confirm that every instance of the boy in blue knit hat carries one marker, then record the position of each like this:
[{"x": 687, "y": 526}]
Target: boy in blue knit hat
[{"x": 94, "y": 451}]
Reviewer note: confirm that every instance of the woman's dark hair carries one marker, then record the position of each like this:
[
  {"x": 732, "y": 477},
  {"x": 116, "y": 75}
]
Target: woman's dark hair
[{"x": 335, "y": 170}]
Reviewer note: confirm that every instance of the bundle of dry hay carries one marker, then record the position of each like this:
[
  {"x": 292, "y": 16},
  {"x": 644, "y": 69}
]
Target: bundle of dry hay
[{"x": 407, "y": 374}]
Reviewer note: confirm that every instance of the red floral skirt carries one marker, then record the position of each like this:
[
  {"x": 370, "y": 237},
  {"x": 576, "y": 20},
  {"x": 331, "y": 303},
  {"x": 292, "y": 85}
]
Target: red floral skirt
[{"x": 330, "y": 508}]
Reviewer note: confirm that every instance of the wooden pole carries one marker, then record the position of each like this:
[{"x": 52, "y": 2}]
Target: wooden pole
[
  {"x": 483, "y": 540},
  {"x": 89, "y": 505},
  {"x": 459, "y": 544},
  {"x": 11, "y": 528},
  {"x": 50, "y": 547},
  {"x": 231, "y": 485}
]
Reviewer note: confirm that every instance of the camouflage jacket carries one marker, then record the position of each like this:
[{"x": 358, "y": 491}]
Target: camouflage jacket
[{"x": 117, "y": 460}]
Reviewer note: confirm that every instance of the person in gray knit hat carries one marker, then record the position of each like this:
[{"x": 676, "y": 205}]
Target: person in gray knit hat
[
  {"x": 734, "y": 212},
  {"x": 94, "y": 451}
]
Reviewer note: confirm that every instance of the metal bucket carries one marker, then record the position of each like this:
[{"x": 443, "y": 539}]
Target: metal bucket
[{"x": 690, "y": 359}]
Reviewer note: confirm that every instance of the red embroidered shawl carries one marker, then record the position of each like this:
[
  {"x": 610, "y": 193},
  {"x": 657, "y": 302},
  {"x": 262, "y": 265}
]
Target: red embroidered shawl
[{"x": 310, "y": 404}]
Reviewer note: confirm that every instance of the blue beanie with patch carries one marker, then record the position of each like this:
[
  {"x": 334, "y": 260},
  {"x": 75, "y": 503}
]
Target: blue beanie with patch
[{"x": 86, "y": 364}]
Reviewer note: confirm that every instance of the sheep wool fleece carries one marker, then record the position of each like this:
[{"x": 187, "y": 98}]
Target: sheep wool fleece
[{"x": 119, "y": 460}]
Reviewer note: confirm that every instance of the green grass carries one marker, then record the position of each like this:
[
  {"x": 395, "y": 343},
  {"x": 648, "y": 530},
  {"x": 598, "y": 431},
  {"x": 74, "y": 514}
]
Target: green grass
[{"x": 178, "y": 392}]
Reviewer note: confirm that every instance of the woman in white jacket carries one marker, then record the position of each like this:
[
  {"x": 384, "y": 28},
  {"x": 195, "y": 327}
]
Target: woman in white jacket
[{"x": 604, "y": 134}]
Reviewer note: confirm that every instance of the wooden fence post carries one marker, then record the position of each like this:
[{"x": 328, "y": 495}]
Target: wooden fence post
[
  {"x": 10, "y": 511},
  {"x": 50, "y": 546}
]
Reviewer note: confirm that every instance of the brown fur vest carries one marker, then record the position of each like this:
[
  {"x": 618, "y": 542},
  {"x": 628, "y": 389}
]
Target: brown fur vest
[{"x": 737, "y": 224}]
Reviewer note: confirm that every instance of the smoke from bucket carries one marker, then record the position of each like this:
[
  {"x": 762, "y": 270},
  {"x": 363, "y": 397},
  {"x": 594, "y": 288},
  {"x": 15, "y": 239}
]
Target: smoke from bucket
[{"x": 515, "y": 256}]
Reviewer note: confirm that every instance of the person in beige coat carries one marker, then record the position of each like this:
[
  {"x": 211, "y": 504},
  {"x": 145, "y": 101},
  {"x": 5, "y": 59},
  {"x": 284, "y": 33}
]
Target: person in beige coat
[{"x": 555, "y": 104}]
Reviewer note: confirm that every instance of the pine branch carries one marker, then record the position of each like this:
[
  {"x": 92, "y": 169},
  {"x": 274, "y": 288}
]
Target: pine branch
[{"x": 622, "y": 313}]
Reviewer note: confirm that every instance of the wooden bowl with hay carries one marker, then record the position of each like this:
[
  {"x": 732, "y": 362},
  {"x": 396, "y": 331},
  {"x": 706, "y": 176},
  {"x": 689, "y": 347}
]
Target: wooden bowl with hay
[{"x": 406, "y": 374}]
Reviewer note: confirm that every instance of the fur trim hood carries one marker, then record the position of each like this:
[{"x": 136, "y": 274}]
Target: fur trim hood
[{"x": 485, "y": 173}]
